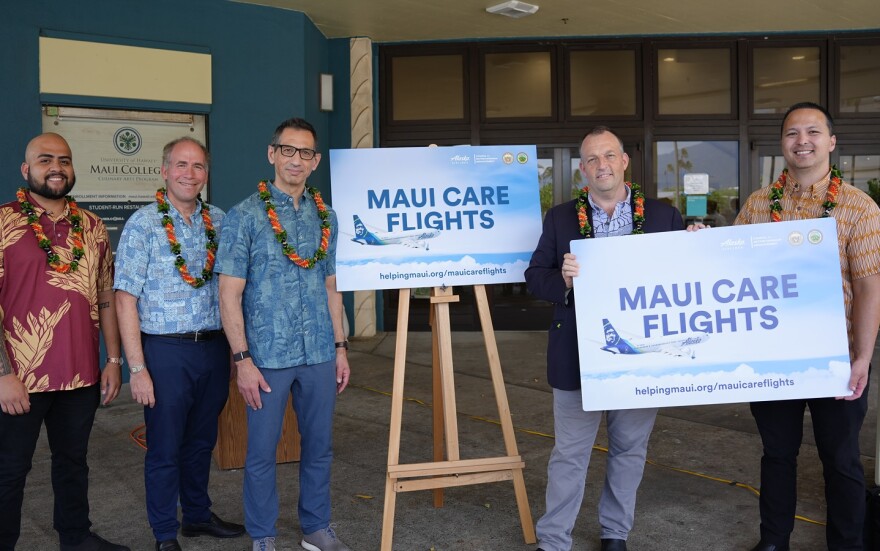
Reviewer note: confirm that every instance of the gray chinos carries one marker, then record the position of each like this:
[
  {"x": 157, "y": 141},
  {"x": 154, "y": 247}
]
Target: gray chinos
[{"x": 628, "y": 434}]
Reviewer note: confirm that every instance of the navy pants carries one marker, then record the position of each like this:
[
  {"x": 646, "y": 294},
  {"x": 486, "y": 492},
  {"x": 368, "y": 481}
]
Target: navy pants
[
  {"x": 836, "y": 426},
  {"x": 191, "y": 384},
  {"x": 69, "y": 415}
]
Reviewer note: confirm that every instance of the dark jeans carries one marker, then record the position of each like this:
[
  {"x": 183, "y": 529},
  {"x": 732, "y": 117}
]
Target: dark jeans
[
  {"x": 69, "y": 415},
  {"x": 191, "y": 384},
  {"x": 836, "y": 426}
]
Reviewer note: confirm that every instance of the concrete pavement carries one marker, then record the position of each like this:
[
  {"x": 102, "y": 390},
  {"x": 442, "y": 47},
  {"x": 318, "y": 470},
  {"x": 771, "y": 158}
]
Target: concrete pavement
[{"x": 695, "y": 493}]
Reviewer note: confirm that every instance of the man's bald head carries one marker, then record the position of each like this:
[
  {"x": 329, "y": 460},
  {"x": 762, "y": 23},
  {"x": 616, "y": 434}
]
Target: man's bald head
[
  {"x": 48, "y": 166},
  {"x": 49, "y": 139}
]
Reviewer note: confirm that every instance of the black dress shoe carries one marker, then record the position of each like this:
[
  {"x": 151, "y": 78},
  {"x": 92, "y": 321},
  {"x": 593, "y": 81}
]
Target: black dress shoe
[
  {"x": 94, "y": 543},
  {"x": 613, "y": 545},
  {"x": 215, "y": 527},
  {"x": 168, "y": 545},
  {"x": 764, "y": 546}
]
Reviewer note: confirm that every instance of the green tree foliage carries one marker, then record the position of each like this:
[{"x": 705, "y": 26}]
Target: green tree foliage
[{"x": 874, "y": 189}]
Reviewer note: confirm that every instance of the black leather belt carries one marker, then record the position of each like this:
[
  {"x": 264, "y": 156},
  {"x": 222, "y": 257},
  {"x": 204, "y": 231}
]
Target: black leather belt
[{"x": 198, "y": 336}]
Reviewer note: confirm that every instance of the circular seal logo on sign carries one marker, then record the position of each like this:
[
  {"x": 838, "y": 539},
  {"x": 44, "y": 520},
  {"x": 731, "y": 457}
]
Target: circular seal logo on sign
[
  {"x": 522, "y": 158},
  {"x": 127, "y": 141},
  {"x": 507, "y": 158},
  {"x": 796, "y": 238},
  {"x": 814, "y": 237}
]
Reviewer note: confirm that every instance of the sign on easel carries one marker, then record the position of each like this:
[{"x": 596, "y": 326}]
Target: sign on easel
[
  {"x": 439, "y": 217},
  {"x": 434, "y": 216}
]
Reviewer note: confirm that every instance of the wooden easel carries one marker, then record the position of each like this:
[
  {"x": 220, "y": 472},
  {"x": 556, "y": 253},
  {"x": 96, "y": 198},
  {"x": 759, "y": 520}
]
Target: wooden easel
[{"x": 454, "y": 471}]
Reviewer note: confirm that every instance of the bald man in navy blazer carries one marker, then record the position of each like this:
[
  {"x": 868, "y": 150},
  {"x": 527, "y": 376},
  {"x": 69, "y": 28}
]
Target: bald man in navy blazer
[{"x": 611, "y": 208}]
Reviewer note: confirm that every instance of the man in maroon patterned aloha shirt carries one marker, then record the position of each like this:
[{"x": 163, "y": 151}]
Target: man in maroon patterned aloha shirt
[{"x": 56, "y": 292}]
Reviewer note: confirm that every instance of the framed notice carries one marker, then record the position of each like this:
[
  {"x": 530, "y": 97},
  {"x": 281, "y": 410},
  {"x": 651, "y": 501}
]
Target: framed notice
[
  {"x": 117, "y": 156},
  {"x": 434, "y": 216},
  {"x": 734, "y": 314}
]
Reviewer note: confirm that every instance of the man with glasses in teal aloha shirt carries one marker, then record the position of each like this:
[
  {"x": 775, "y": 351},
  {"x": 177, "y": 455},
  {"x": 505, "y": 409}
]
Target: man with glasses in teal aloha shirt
[{"x": 283, "y": 318}]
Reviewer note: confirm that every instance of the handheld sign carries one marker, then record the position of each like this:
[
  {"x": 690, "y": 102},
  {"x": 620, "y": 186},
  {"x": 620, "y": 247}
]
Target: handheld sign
[{"x": 734, "y": 314}]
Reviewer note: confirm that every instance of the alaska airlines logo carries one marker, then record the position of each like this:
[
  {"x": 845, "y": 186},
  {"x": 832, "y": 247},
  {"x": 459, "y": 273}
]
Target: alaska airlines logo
[
  {"x": 127, "y": 141},
  {"x": 733, "y": 244},
  {"x": 678, "y": 345}
]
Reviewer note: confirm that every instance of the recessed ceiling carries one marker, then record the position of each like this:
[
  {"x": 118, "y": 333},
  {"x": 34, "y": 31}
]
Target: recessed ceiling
[{"x": 423, "y": 20}]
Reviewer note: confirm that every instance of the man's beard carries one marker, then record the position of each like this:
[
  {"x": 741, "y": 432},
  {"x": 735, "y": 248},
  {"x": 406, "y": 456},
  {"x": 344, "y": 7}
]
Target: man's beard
[{"x": 43, "y": 189}]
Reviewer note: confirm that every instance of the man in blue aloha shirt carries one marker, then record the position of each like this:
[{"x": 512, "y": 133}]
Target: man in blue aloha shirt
[
  {"x": 169, "y": 317},
  {"x": 283, "y": 317}
]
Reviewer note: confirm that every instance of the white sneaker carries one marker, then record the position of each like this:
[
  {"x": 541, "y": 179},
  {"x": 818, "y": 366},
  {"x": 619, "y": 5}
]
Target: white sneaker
[
  {"x": 323, "y": 540},
  {"x": 264, "y": 544}
]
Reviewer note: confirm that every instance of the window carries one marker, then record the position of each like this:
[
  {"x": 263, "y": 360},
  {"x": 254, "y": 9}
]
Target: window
[
  {"x": 602, "y": 83},
  {"x": 693, "y": 81},
  {"x": 719, "y": 159},
  {"x": 860, "y": 170},
  {"x": 783, "y": 77},
  {"x": 427, "y": 87},
  {"x": 860, "y": 79},
  {"x": 518, "y": 85},
  {"x": 769, "y": 169}
]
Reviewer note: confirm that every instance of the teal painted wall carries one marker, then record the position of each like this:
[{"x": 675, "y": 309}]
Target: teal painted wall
[{"x": 265, "y": 67}]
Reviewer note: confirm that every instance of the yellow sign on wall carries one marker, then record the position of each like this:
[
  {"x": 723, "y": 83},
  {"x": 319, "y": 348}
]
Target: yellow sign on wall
[{"x": 82, "y": 68}]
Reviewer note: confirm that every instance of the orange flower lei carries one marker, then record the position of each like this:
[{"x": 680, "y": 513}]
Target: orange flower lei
[
  {"x": 638, "y": 197},
  {"x": 44, "y": 242},
  {"x": 777, "y": 188},
  {"x": 281, "y": 234},
  {"x": 210, "y": 246}
]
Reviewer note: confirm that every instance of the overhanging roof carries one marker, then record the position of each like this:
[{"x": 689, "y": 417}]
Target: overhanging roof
[{"x": 437, "y": 20}]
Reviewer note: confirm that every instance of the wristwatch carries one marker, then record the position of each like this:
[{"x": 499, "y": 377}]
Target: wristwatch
[
  {"x": 239, "y": 356},
  {"x": 342, "y": 344},
  {"x": 134, "y": 369},
  {"x": 118, "y": 361}
]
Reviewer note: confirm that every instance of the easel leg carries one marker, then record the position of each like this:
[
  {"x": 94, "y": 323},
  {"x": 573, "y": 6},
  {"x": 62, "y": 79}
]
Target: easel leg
[
  {"x": 396, "y": 416},
  {"x": 519, "y": 485},
  {"x": 388, "y": 516},
  {"x": 444, "y": 344},
  {"x": 437, "y": 405}
]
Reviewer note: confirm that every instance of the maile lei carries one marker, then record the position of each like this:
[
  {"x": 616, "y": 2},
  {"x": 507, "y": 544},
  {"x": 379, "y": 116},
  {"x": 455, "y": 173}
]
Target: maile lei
[
  {"x": 582, "y": 204},
  {"x": 777, "y": 188},
  {"x": 281, "y": 234},
  {"x": 44, "y": 242},
  {"x": 210, "y": 246}
]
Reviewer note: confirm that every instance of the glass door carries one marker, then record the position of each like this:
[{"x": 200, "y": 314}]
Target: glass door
[
  {"x": 513, "y": 308},
  {"x": 718, "y": 161},
  {"x": 860, "y": 166}
]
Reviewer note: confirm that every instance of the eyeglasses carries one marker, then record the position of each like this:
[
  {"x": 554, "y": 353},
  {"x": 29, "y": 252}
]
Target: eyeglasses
[{"x": 289, "y": 151}]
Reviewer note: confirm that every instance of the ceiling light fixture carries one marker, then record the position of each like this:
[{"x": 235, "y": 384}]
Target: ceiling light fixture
[{"x": 513, "y": 8}]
